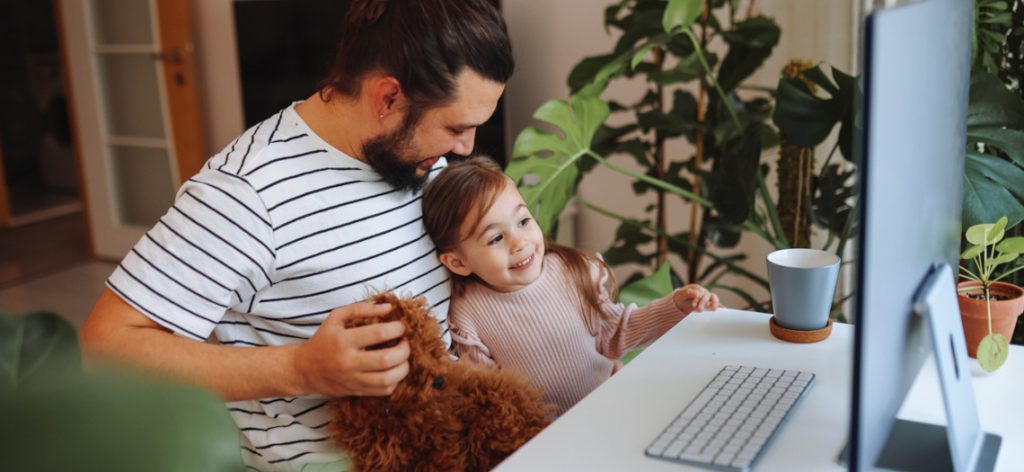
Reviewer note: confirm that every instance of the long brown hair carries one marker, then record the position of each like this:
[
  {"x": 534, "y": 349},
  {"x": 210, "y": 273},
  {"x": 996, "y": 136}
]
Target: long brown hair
[{"x": 462, "y": 194}]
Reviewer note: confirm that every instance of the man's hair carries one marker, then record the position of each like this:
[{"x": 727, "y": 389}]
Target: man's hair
[{"x": 424, "y": 44}]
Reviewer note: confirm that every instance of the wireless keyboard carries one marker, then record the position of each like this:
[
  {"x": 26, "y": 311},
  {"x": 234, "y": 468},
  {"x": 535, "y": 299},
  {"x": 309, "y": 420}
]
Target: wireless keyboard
[{"x": 728, "y": 425}]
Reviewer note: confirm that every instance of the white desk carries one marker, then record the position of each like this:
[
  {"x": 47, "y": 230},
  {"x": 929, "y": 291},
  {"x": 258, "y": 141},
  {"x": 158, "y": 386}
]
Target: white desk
[{"x": 611, "y": 427}]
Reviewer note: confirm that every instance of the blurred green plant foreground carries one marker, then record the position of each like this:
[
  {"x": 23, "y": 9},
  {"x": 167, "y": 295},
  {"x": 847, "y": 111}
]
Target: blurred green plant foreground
[{"x": 55, "y": 417}]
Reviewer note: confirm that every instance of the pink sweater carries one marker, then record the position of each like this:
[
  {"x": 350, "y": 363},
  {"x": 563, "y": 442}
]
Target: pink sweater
[{"x": 541, "y": 330}]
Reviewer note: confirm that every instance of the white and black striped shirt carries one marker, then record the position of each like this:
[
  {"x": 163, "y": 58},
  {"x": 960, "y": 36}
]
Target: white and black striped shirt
[{"x": 278, "y": 229}]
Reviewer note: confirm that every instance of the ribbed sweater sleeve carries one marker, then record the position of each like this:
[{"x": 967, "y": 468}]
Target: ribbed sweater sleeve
[{"x": 627, "y": 327}]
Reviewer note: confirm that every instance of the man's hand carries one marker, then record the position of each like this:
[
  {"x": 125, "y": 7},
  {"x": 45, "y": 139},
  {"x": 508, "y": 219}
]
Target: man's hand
[{"x": 335, "y": 362}]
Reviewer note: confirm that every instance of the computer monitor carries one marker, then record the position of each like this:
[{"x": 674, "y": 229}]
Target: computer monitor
[{"x": 916, "y": 68}]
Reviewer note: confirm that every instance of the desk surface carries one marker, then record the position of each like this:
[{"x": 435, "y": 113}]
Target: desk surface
[{"x": 612, "y": 426}]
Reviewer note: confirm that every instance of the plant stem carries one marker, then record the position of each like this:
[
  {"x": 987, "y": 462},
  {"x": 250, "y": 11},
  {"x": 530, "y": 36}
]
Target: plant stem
[
  {"x": 1007, "y": 273},
  {"x": 988, "y": 307},
  {"x": 693, "y": 257},
  {"x": 972, "y": 274},
  {"x": 714, "y": 80},
  {"x": 830, "y": 154},
  {"x": 661, "y": 217},
  {"x": 753, "y": 228},
  {"x": 752, "y": 276},
  {"x": 651, "y": 180},
  {"x": 773, "y": 215}
]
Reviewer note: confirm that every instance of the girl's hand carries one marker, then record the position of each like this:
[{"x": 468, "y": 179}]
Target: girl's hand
[{"x": 694, "y": 297}]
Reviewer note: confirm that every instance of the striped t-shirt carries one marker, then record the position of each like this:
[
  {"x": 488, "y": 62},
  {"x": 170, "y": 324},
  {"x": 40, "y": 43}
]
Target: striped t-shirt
[
  {"x": 541, "y": 330},
  {"x": 277, "y": 230}
]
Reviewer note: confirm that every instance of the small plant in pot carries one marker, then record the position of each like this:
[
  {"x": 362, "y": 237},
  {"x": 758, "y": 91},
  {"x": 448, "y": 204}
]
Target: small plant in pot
[{"x": 988, "y": 307}]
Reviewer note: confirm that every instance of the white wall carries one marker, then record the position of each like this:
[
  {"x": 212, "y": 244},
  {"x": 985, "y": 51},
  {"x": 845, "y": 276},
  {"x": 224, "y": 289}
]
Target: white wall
[{"x": 549, "y": 38}]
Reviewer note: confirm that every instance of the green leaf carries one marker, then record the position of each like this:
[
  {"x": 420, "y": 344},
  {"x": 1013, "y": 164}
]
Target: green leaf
[
  {"x": 733, "y": 185},
  {"x": 585, "y": 71},
  {"x": 1012, "y": 245},
  {"x": 1003, "y": 258},
  {"x": 972, "y": 252},
  {"x": 628, "y": 238},
  {"x": 630, "y": 356},
  {"x": 681, "y": 14},
  {"x": 648, "y": 289},
  {"x": 688, "y": 68},
  {"x": 750, "y": 44},
  {"x": 992, "y": 188},
  {"x": 1010, "y": 141},
  {"x": 802, "y": 117},
  {"x": 832, "y": 192},
  {"x": 544, "y": 165},
  {"x": 35, "y": 348},
  {"x": 986, "y": 234},
  {"x": 639, "y": 56},
  {"x": 992, "y": 351},
  {"x": 991, "y": 104},
  {"x": 117, "y": 423}
]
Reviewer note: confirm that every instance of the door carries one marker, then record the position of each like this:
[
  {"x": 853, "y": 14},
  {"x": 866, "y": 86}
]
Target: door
[{"x": 135, "y": 111}]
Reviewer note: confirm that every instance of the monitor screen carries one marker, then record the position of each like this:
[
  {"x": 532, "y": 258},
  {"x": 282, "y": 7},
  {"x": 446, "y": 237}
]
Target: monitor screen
[{"x": 916, "y": 66}]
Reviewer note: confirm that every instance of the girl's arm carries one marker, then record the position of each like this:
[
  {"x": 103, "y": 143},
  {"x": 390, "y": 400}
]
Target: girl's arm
[{"x": 628, "y": 327}]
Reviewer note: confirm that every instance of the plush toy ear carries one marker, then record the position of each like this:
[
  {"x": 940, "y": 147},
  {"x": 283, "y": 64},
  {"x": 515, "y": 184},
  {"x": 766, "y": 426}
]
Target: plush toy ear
[{"x": 454, "y": 263}]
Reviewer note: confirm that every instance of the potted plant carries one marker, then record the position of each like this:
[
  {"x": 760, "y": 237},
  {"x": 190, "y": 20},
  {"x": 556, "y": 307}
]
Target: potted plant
[{"x": 988, "y": 307}]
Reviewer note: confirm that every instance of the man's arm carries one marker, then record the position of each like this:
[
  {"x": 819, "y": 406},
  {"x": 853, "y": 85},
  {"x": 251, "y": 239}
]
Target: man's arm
[{"x": 333, "y": 362}]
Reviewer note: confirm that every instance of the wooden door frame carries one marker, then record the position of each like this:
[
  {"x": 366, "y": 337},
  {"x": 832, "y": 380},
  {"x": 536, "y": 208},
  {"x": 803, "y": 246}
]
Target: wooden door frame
[
  {"x": 76, "y": 151},
  {"x": 181, "y": 89},
  {"x": 185, "y": 136}
]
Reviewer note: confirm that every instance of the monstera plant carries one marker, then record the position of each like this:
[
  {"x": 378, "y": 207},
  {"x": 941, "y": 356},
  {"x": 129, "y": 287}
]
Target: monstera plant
[{"x": 728, "y": 124}]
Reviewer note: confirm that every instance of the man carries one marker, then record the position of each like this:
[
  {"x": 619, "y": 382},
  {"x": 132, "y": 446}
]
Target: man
[{"x": 238, "y": 287}]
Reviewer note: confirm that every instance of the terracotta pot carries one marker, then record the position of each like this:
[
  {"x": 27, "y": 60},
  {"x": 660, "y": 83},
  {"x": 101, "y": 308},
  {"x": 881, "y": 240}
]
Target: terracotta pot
[{"x": 1004, "y": 312}]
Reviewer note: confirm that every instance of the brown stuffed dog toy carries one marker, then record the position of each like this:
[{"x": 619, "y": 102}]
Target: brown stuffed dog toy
[{"x": 445, "y": 415}]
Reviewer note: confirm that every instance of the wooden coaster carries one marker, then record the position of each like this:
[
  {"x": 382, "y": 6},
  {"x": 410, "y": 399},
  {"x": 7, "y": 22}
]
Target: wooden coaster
[{"x": 799, "y": 336}]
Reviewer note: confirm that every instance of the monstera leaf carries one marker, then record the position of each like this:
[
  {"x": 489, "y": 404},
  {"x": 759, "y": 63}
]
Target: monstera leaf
[
  {"x": 994, "y": 176},
  {"x": 806, "y": 119},
  {"x": 545, "y": 165},
  {"x": 35, "y": 346}
]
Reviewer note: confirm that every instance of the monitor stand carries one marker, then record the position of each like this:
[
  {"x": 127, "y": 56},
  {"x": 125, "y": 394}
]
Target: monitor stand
[{"x": 962, "y": 445}]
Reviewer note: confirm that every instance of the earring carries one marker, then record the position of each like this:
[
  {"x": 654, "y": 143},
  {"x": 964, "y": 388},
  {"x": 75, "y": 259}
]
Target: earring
[{"x": 382, "y": 115}]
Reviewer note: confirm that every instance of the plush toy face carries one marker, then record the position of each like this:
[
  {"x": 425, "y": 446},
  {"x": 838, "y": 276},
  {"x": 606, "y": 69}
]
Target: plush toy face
[{"x": 445, "y": 415}]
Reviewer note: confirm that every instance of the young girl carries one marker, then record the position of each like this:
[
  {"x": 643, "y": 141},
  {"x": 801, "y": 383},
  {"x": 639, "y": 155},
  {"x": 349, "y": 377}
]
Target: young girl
[{"x": 521, "y": 302}]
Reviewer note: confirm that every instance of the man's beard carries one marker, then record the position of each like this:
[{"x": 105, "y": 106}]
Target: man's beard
[{"x": 385, "y": 154}]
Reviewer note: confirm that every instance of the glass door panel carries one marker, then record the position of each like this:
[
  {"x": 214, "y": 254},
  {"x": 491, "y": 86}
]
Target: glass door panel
[
  {"x": 132, "y": 95},
  {"x": 143, "y": 184},
  {"x": 139, "y": 164},
  {"x": 122, "y": 22}
]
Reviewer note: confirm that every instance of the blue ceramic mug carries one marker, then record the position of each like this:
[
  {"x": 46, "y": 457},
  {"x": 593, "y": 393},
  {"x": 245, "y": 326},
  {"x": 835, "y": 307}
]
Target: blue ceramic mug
[{"x": 803, "y": 282}]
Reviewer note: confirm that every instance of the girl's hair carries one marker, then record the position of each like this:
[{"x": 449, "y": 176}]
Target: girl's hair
[{"x": 462, "y": 194}]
